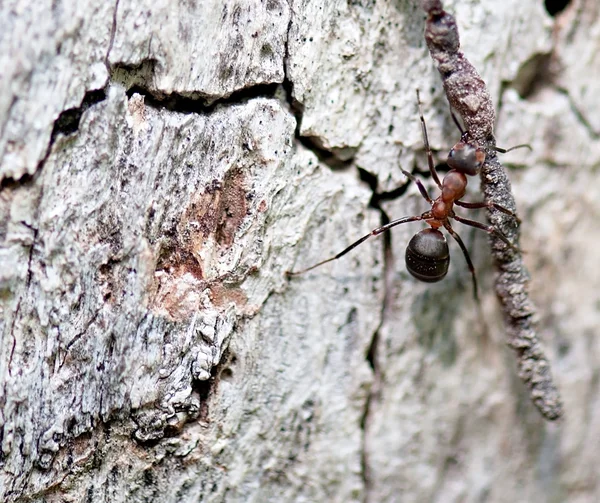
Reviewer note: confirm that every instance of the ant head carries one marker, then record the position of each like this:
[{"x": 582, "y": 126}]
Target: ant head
[{"x": 466, "y": 158}]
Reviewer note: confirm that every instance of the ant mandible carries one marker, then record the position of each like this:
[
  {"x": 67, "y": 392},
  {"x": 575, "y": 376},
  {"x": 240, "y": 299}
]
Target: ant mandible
[{"x": 427, "y": 254}]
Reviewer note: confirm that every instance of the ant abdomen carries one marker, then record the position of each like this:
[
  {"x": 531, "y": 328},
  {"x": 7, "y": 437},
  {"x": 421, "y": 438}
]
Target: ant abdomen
[{"x": 428, "y": 256}]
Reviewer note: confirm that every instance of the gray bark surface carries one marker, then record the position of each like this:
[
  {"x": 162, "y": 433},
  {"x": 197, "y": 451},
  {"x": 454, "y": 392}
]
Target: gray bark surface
[{"x": 162, "y": 166}]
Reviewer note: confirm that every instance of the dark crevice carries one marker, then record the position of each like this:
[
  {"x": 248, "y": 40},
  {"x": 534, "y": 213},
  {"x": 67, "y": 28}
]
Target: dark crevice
[
  {"x": 371, "y": 358},
  {"x": 324, "y": 155},
  {"x": 371, "y": 355},
  {"x": 135, "y": 77},
  {"x": 175, "y": 102},
  {"x": 313, "y": 143},
  {"x": 205, "y": 390},
  {"x": 534, "y": 75},
  {"x": 336, "y": 158},
  {"x": 373, "y": 395},
  {"x": 11, "y": 183},
  {"x": 371, "y": 180},
  {"x": 296, "y": 107},
  {"x": 288, "y": 86},
  {"x": 68, "y": 121},
  {"x": 364, "y": 458},
  {"x": 379, "y": 197},
  {"x": 31, "y": 250},
  {"x": 555, "y": 7}
]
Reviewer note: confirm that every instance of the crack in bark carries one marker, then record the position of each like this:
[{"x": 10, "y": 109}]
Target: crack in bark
[
  {"x": 68, "y": 121},
  {"x": 66, "y": 124},
  {"x": 18, "y": 308},
  {"x": 580, "y": 115},
  {"x": 79, "y": 335},
  {"x": 196, "y": 104},
  {"x": 372, "y": 353},
  {"x": 312, "y": 143},
  {"x": 14, "y": 343}
]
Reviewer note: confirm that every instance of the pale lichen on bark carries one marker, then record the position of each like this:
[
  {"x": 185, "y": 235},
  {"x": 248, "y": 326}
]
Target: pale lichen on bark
[{"x": 156, "y": 186}]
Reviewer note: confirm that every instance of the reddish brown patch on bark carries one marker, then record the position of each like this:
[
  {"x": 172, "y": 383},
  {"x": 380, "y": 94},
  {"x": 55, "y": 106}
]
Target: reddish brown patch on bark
[
  {"x": 219, "y": 211},
  {"x": 222, "y": 208},
  {"x": 214, "y": 217},
  {"x": 178, "y": 261},
  {"x": 222, "y": 295}
]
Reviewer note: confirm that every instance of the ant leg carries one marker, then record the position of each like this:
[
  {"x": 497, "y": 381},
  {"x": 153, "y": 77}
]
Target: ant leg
[
  {"x": 490, "y": 205},
  {"x": 506, "y": 150},
  {"x": 422, "y": 188},
  {"x": 374, "y": 232},
  {"x": 432, "y": 170},
  {"x": 454, "y": 118},
  {"x": 451, "y": 231},
  {"x": 490, "y": 229}
]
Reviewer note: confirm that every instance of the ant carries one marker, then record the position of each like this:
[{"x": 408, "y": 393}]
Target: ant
[{"x": 427, "y": 254}]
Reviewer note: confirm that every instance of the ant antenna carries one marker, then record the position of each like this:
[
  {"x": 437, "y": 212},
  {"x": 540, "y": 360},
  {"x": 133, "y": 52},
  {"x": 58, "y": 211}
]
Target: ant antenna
[
  {"x": 455, "y": 119},
  {"x": 497, "y": 149},
  {"x": 506, "y": 150}
]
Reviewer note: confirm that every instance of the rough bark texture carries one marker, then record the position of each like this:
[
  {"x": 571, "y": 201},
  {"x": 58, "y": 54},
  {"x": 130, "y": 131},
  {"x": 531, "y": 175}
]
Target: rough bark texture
[{"x": 156, "y": 183}]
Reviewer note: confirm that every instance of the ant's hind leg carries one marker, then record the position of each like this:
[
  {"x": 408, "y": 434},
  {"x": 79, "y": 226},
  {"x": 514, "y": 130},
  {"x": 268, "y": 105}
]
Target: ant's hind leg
[
  {"x": 490, "y": 229},
  {"x": 374, "y": 232},
  {"x": 489, "y": 205},
  {"x": 457, "y": 238}
]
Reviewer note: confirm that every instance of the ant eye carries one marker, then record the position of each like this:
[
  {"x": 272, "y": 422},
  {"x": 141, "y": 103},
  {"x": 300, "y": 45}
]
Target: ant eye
[{"x": 466, "y": 159}]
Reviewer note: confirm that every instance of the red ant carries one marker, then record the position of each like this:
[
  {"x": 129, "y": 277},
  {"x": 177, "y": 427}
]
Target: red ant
[{"x": 427, "y": 254}]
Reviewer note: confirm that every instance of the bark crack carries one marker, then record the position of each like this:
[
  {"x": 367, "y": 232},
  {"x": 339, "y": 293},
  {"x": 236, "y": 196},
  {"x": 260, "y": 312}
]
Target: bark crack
[
  {"x": 372, "y": 353},
  {"x": 580, "y": 115},
  {"x": 176, "y": 102},
  {"x": 80, "y": 334},
  {"x": 18, "y": 308},
  {"x": 66, "y": 124},
  {"x": 311, "y": 143}
]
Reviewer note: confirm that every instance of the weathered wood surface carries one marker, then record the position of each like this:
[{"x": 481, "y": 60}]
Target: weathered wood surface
[{"x": 152, "y": 348}]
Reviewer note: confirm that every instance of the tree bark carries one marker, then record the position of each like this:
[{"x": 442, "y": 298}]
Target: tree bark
[{"x": 164, "y": 165}]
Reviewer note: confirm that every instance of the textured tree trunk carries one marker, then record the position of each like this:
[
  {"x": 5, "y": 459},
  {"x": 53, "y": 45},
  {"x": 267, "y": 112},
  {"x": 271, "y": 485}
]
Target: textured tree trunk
[{"x": 164, "y": 164}]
